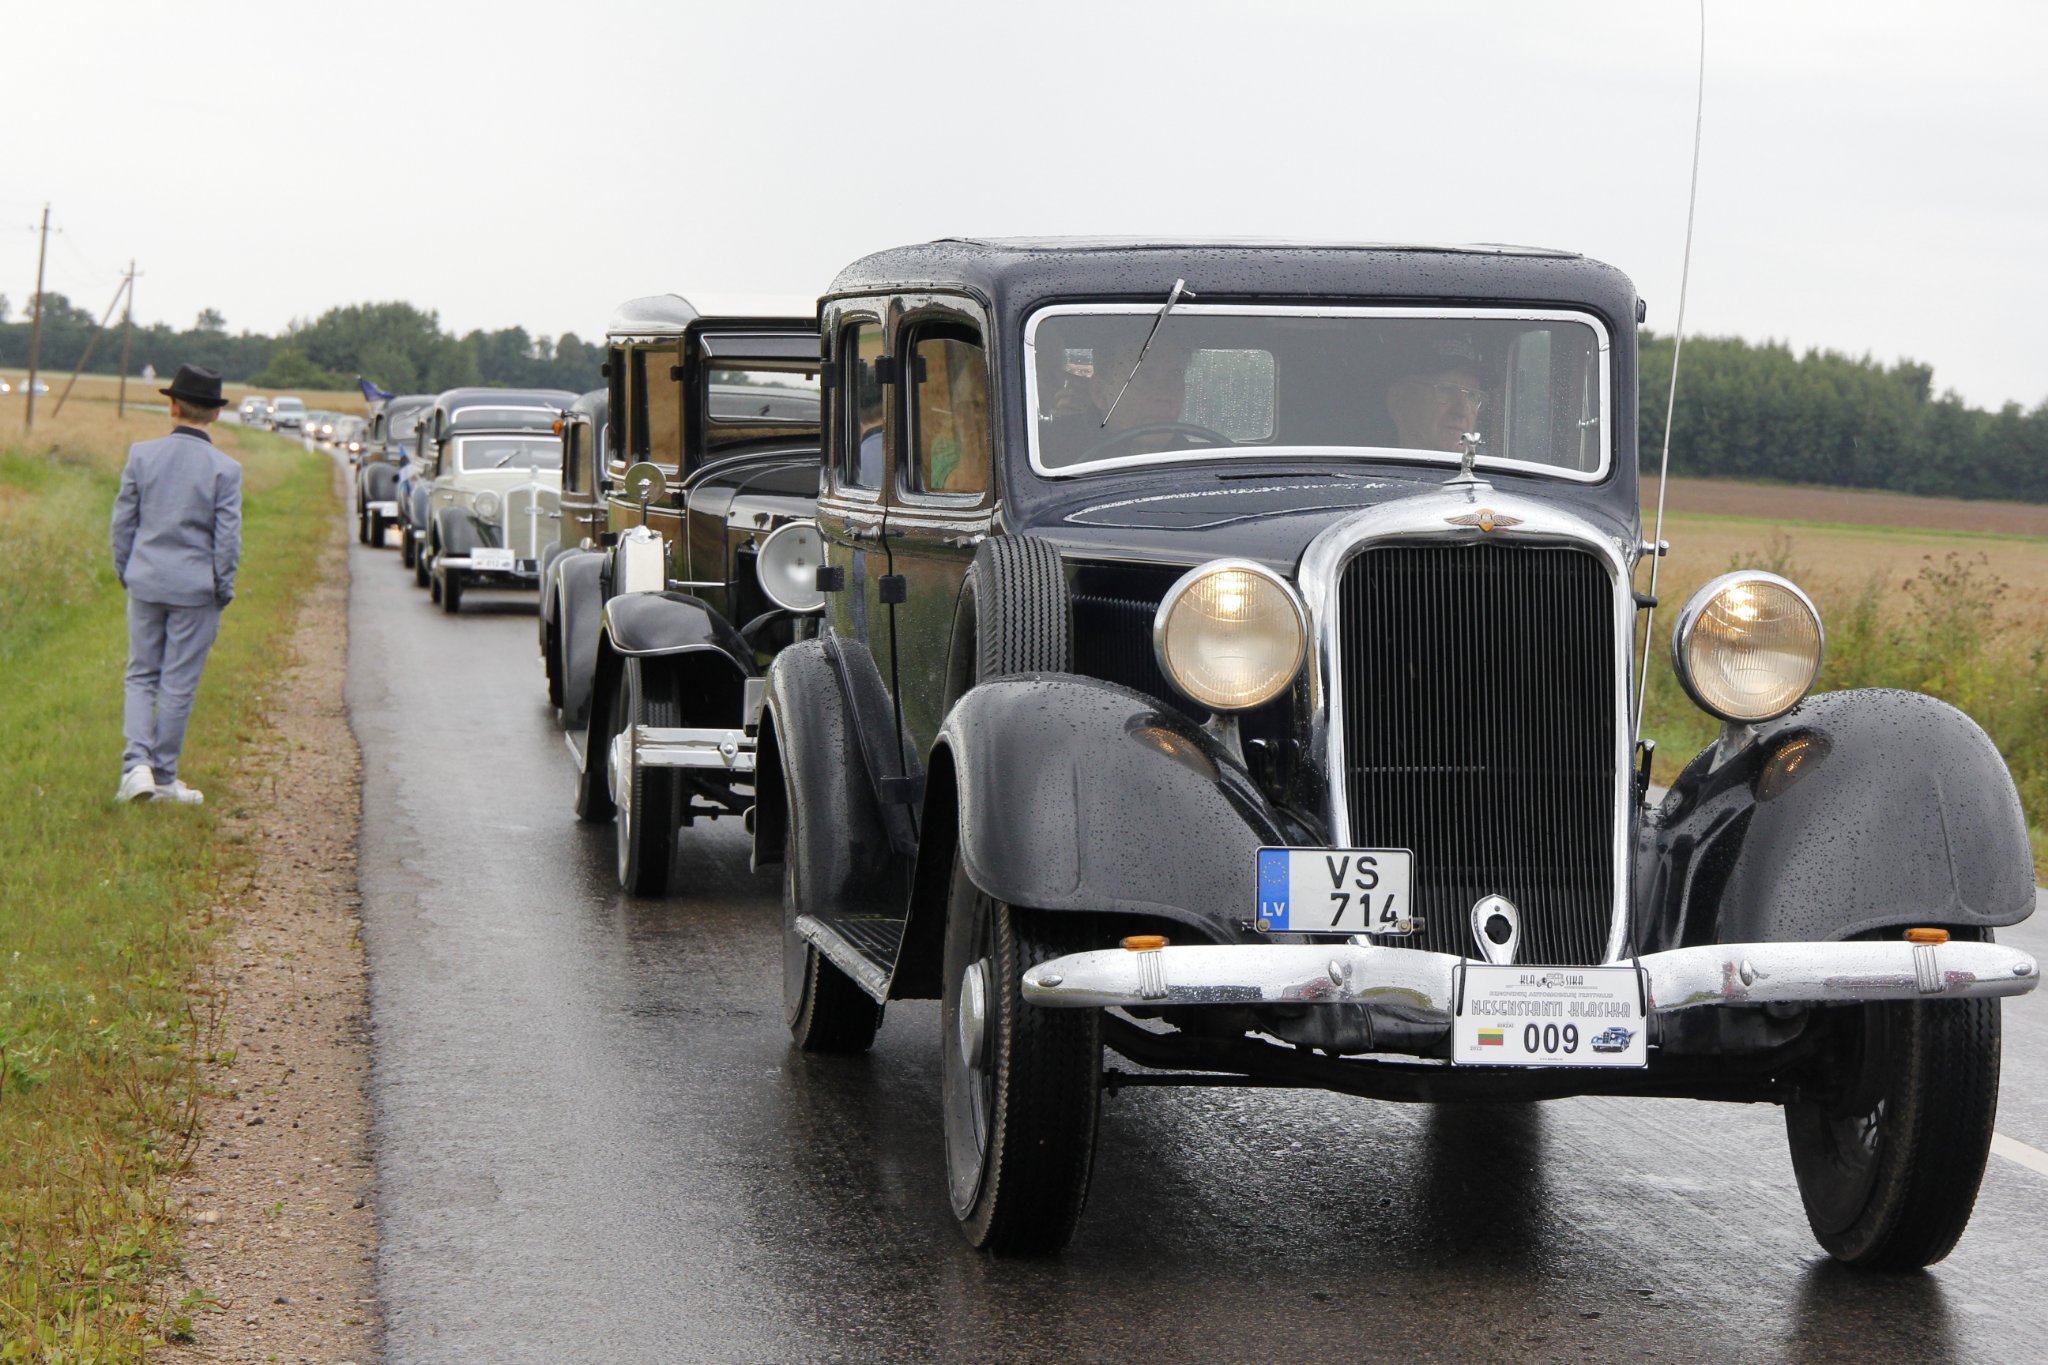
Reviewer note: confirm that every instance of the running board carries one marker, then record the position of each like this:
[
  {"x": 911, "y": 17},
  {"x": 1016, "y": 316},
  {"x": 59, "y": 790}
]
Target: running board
[{"x": 865, "y": 947}]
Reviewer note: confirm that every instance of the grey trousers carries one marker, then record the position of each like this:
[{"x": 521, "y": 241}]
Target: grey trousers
[{"x": 166, "y": 651}]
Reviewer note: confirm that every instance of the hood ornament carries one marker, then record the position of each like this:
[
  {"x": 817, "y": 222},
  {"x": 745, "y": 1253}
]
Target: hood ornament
[
  {"x": 1497, "y": 926},
  {"x": 1486, "y": 519}
]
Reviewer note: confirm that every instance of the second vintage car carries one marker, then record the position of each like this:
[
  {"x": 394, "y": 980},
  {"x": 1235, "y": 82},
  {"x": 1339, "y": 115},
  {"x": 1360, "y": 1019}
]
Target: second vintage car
[
  {"x": 493, "y": 475},
  {"x": 658, "y": 627}
]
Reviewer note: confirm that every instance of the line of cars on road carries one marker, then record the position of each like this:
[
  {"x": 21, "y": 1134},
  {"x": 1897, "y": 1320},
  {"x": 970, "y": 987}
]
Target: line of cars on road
[{"x": 1223, "y": 656}]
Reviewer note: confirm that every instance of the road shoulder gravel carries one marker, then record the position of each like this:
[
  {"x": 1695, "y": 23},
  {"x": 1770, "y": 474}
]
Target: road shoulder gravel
[{"x": 280, "y": 1251}]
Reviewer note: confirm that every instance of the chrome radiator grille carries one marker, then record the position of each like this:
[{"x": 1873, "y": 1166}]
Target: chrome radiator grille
[
  {"x": 530, "y": 519},
  {"x": 1478, "y": 696}
]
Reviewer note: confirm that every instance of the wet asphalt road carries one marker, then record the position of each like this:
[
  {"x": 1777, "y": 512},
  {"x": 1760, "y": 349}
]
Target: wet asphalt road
[{"x": 593, "y": 1142}]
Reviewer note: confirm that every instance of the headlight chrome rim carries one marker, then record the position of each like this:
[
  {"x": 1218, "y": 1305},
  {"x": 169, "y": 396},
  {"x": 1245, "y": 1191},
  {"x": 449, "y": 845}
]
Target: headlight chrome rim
[
  {"x": 1277, "y": 680},
  {"x": 488, "y": 505},
  {"x": 782, "y": 584},
  {"x": 1711, "y": 695}
]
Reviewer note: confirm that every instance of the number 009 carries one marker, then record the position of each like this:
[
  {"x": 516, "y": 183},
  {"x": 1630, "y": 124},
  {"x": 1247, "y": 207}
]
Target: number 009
[{"x": 1549, "y": 1039}]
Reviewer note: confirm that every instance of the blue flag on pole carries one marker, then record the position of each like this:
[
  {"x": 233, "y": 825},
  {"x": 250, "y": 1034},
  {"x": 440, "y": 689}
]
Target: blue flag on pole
[{"x": 371, "y": 391}]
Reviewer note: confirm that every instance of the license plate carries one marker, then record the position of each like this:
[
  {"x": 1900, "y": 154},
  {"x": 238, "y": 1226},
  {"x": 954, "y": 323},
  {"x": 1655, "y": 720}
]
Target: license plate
[
  {"x": 497, "y": 560},
  {"x": 1334, "y": 890},
  {"x": 1548, "y": 1016}
]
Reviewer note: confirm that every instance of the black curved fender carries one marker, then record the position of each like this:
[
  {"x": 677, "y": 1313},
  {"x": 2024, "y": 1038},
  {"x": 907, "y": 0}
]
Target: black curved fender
[
  {"x": 1857, "y": 811},
  {"x": 809, "y": 764},
  {"x": 1077, "y": 794},
  {"x": 456, "y": 532},
  {"x": 380, "y": 483},
  {"x": 652, "y": 623},
  {"x": 578, "y": 604}
]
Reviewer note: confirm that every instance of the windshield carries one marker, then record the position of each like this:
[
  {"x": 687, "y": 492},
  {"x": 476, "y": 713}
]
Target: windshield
[
  {"x": 401, "y": 423},
  {"x": 289, "y": 405},
  {"x": 1228, "y": 380},
  {"x": 517, "y": 419},
  {"x": 754, "y": 396},
  {"x": 508, "y": 452}
]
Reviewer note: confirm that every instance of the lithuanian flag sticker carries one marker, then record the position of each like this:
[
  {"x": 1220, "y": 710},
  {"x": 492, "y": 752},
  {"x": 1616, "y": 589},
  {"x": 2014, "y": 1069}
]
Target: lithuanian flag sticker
[{"x": 1492, "y": 1037}]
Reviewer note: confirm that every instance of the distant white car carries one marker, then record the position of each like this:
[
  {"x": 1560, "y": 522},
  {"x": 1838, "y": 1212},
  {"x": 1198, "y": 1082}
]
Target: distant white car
[{"x": 254, "y": 410}]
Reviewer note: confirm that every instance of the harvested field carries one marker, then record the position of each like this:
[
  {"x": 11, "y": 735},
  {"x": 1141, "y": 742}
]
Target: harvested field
[{"x": 1845, "y": 507}]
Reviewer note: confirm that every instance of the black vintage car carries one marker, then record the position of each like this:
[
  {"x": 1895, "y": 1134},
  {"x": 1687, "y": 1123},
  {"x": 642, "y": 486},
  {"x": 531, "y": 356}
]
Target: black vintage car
[
  {"x": 1227, "y": 664},
  {"x": 391, "y": 433},
  {"x": 656, "y": 628}
]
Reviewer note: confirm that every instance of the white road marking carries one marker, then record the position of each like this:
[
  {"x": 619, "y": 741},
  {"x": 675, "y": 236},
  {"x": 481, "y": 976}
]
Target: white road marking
[{"x": 2033, "y": 1158}]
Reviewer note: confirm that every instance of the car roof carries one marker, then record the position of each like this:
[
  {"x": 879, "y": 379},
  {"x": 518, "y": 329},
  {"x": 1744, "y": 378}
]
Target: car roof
[
  {"x": 668, "y": 315},
  {"x": 1018, "y": 272},
  {"x": 505, "y": 398}
]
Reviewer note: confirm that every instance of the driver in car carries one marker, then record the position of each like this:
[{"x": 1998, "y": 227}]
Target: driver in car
[
  {"x": 1074, "y": 419},
  {"x": 1437, "y": 396}
]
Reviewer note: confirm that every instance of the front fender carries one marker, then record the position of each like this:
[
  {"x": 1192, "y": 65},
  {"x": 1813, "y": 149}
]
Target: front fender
[
  {"x": 578, "y": 602},
  {"x": 654, "y": 623},
  {"x": 1076, "y": 794},
  {"x": 457, "y": 532},
  {"x": 1856, "y": 812},
  {"x": 380, "y": 483}
]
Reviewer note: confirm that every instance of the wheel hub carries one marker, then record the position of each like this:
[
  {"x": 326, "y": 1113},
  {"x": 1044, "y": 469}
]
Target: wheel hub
[
  {"x": 973, "y": 1021},
  {"x": 619, "y": 771}
]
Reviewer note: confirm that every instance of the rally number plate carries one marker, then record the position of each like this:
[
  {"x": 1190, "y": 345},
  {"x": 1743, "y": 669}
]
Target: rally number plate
[
  {"x": 492, "y": 560},
  {"x": 1548, "y": 1016},
  {"x": 1334, "y": 890}
]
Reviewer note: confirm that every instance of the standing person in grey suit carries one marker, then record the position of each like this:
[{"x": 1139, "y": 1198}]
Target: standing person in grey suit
[{"x": 177, "y": 541}]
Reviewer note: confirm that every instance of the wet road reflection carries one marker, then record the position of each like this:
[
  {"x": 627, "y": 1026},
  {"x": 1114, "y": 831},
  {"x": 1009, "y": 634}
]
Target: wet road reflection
[{"x": 595, "y": 1144}]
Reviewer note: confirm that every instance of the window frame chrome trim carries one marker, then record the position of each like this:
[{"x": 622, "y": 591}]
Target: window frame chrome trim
[
  {"x": 1371, "y": 454},
  {"x": 1422, "y": 519}
]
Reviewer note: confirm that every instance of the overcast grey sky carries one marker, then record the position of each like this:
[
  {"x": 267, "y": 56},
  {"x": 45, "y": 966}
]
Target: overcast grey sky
[{"x": 1871, "y": 179}]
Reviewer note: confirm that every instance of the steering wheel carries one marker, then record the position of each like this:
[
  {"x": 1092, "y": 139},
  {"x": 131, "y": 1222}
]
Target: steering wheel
[{"x": 1131, "y": 435}]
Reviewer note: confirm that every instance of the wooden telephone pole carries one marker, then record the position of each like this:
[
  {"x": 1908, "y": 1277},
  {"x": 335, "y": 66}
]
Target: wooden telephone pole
[
  {"x": 35, "y": 331},
  {"x": 127, "y": 325},
  {"x": 127, "y": 283}
]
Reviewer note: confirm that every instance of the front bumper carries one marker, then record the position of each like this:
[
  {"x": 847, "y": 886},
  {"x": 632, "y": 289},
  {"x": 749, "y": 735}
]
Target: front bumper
[
  {"x": 1424, "y": 984},
  {"x": 524, "y": 571}
]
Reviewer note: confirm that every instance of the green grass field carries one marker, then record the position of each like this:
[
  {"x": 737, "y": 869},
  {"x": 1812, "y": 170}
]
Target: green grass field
[{"x": 107, "y": 909}]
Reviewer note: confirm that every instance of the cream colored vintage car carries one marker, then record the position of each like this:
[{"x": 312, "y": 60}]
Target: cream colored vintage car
[{"x": 493, "y": 500}]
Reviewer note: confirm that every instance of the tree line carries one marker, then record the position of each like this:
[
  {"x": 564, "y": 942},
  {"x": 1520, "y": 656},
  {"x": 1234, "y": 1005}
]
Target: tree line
[
  {"x": 1745, "y": 411},
  {"x": 395, "y": 345},
  {"x": 1762, "y": 412}
]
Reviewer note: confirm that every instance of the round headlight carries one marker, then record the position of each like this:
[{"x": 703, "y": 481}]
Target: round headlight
[
  {"x": 1231, "y": 634},
  {"x": 1747, "y": 646},
  {"x": 787, "y": 565},
  {"x": 487, "y": 505}
]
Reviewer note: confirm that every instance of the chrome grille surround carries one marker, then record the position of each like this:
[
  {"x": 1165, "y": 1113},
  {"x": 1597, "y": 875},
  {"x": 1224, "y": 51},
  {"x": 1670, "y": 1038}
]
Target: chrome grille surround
[{"x": 1424, "y": 520}]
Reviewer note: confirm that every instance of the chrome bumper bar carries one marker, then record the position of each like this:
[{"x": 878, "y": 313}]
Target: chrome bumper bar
[
  {"x": 1426, "y": 983},
  {"x": 663, "y": 747},
  {"x": 521, "y": 568}
]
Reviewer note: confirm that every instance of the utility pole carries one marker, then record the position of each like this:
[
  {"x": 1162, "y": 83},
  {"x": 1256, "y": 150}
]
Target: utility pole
[
  {"x": 35, "y": 331},
  {"x": 91, "y": 342},
  {"x": 127, "y": 325}
]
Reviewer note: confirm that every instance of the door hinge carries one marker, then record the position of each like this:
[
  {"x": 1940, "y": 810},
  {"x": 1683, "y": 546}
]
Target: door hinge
[
  {"x": 831, "y": 578},
  {"x": 892, "y": 589}
]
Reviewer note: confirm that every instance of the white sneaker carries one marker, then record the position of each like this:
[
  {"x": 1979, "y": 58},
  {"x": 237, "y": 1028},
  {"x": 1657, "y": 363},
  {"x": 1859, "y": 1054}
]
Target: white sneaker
[
  {"x": 136, "y": 782},
  {"x": 175, "y": 790}
]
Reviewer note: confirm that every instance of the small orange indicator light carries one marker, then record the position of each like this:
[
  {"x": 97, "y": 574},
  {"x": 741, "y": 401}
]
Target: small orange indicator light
[
  {"x": 1145, "y": 943},
  {"x": 1927, "y": 936},
  {"x": 557, "y": 428}
]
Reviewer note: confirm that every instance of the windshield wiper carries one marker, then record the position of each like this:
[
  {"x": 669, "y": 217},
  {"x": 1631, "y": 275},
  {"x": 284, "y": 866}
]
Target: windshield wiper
[{"x": 1180, "y": 289}]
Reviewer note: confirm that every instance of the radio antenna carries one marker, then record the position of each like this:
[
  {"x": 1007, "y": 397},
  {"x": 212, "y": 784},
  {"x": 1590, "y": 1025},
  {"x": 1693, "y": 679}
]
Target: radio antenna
[{"x": 1671, "y": 400}]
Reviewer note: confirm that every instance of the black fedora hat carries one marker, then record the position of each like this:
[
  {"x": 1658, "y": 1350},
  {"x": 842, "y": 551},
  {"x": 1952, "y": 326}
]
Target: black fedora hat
[{"x": 197, "y": 385}]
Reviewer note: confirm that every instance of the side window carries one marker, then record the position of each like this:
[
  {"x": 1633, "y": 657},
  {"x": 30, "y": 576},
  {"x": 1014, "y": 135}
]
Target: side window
[
  {"x": 657, "y": 407},
  {"x": 573, "y": 442},
  {"x": 948, "y": 410},
  {"x": 615, "y": 399},
  {"x": 865, "y": 406}
]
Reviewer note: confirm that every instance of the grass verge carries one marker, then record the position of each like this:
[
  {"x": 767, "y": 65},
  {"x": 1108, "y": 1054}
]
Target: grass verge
[{"x": 107, "y": 910}]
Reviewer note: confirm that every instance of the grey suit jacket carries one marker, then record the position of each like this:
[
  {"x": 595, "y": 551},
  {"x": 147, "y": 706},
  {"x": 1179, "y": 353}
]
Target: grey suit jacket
[{"x": 178, "y": 522}]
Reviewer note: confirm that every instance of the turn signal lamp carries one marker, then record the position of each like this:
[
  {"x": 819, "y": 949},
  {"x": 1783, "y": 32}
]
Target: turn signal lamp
[
  {"x": 1144, "y": 943},
  {"x": 1231, "y": 634},
  {"x": 1747, "y": 647},
  {"x": 1934, "y": 936}
]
